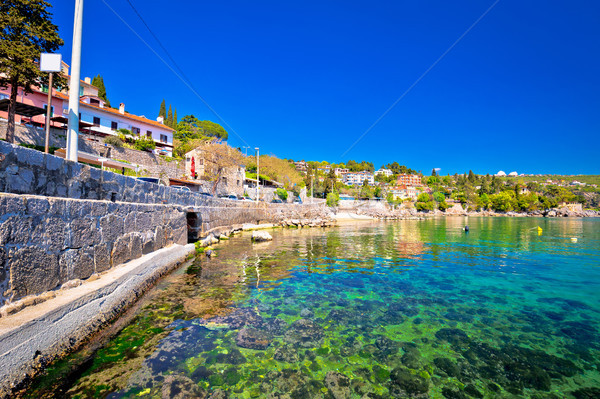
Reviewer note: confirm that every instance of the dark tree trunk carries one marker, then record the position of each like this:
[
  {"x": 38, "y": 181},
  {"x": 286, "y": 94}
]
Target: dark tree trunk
[{"x": 10, "y": 130}]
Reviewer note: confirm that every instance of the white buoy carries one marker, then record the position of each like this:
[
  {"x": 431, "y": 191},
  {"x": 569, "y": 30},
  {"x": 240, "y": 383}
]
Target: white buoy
[{"x": 573, "y": 239}]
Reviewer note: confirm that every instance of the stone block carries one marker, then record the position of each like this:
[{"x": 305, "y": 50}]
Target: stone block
[
  {"x": 121, "y": 250},
  {"x": 37, "y": 206},
  {"x": 53, "y": 162},
  {"x": 111, "y": 227},
  {"x": 76, "y": 264},
  {"x": 99, "y": 209},
  {"x": 10, "y": 204},
  {"x": 20, "y": 183},
  {"x": 32, "y": 271},
  {"x": 159, "y": 238},
  {"x": 102, "y": 257},
  {"x": 136, "y": 245},
  {"x": 16, "y": 230},
  {"x": 180, "y": 236},
  {"x": 143, "y": 221},
  {"x": 3, "y": 267},
  {"x": 129, "y": 226},
  {"x": 51, "y": 232},
  {"x": 29, "y": 157},
  {"x": 75, "y": 189},
  {"x": 83, "y": 232},
  {"x": 61, "y": 190},
  {"x": 147, "y": 242}
]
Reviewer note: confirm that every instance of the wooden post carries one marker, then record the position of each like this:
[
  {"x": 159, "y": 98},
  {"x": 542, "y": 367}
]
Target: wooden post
[{"x": 48, "y": 114}]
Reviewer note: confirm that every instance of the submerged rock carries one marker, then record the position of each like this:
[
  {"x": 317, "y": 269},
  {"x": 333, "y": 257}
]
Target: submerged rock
[
  {"x": 261, "y": 236},
  {"x": 305, "y": 333},
  {"x": 180, "y": 387},
  {"x": 405, "y": 384},
  {"x": 252, "y": 338},
  {"x": 286, "y": 354},
  {"x": 338, "y": 385},
  {"x": 454, "y": 336}
]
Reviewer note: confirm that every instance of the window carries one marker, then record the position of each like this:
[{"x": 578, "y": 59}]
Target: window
[
  {"x": 163, "y": 138},
  {"x": 135, "y": 130},
  {"x": 51, "y": 109},
  {"x": 148, "y": 134},
  {"x": 96, "y": 121},
  {"x": 44, "y": 88},
  {"x": 3, "y": 96},
  {"x": 80, "y": 91},
  {"x": 114, "y": 125}
]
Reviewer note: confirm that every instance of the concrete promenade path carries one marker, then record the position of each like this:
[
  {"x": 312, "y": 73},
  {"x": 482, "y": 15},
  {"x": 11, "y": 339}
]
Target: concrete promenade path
[{"x": 41, "y": 332}]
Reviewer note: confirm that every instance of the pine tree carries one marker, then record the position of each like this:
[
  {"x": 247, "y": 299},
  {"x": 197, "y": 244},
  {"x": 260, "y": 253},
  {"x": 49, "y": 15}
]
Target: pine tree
[
  {"x": 26, "y": 31},
  {"x": 170, "y": 117},
  {"x": 175, "y": 119},
  {"x": 98, "y": 81},
  {"x": 163, "y": 110}
]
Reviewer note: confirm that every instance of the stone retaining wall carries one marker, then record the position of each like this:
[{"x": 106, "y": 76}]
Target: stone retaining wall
[{"x": 46, "y": 242}]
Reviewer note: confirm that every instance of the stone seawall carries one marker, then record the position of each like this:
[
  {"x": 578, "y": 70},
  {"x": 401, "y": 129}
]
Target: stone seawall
[
  {"x": 46, "y": 242},
  {"x": 63, "y": 221}
]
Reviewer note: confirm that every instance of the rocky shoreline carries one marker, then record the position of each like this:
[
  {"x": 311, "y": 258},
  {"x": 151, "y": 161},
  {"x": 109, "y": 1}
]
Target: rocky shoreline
[{"x": 412, "y": 214}]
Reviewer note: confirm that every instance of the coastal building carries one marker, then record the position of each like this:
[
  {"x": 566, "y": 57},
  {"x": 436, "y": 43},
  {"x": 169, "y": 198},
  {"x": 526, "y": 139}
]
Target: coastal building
[
  {"x": 358, "y": 178},
  {"x": 340, "y": 171},
  {"x": 501, "y": 173},
  {"x": 408, "y": 180},
  {"x": 301, "y": 166},
  {"x": 205, "y": 167},
  {"x": 402, "y": 192},
  {"x": 385, "y": 172},
  {"x": 325, "y": 169},
  {"x": 95, "y": 117}
]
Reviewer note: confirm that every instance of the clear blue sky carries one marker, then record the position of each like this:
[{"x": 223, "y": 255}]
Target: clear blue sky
[{"x": 305, "y": 79}]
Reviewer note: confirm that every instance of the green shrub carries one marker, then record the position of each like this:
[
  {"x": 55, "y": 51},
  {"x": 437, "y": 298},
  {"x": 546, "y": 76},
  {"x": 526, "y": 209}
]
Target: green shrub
[
  {"x": 114, "y": 141},
  {"x": 333, "y": 199},
  {"x": 281, "y": 193},
  {"x": 144, "y": 144}
]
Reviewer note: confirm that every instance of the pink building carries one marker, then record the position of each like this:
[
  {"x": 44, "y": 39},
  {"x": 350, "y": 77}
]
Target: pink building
[{"x": 95, "y": 118}]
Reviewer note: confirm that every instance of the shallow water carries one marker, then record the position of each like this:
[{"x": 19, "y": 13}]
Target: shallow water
[{"x": 372, "y": 310}]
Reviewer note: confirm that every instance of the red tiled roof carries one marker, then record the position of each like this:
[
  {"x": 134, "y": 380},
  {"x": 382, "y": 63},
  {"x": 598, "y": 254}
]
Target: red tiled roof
[{"x": 129, "y": 116}]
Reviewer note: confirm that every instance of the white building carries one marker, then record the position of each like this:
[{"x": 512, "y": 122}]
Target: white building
[
  {"x": 513, "y": 174},
  {"x": 340, "y": 171},
  {"x": 383, "y": 171},
  {"x": 501, "y": 173},
  {"x": 357, "y": 178},
  {"x": 106, "y": 121}
]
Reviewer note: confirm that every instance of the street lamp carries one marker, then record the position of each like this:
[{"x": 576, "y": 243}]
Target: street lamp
[
  {"x": 257, "y": 174},
  {"x": 102, "y": 160}
]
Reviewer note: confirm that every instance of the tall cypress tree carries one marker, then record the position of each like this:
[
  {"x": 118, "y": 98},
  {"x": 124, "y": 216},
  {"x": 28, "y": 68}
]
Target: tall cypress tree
[
  {"x": 170, "y": 117},
  {"x": 26, "y": 30},
  {"x": 98, "y": 81},
  {"x": 174, "y": 119},
  {"x": 163, "y": 110}
]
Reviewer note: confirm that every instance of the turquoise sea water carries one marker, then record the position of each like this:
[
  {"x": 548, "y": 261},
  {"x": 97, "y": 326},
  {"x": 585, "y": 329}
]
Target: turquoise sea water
[{"x": 371, "y": 310}]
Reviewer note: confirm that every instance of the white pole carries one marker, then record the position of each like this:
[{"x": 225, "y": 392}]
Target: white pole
[
  {"x": 72, "y": 136},
  {"x": 257, "y": 175}
]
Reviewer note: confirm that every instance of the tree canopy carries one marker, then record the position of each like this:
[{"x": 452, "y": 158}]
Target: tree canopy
[
  {"x": 26, "y": 31},
  {"x": 190, "y": 128},
  {"x": 98, "y": 81}
]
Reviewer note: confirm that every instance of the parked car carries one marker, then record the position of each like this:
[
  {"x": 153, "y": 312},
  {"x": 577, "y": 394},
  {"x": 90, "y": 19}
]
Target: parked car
[
  {"x": 277, "y": 201},
  {"x": 206, "y": 194},
  {"x": 297, "y": 200}
]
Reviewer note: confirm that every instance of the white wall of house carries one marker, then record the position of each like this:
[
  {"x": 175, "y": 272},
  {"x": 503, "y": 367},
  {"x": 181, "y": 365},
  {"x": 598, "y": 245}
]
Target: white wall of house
[{"x": 107, "y": 118}]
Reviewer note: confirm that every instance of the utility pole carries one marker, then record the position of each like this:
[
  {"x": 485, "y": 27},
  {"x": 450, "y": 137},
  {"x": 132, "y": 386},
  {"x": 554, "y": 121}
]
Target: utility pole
[
  {"x": 73, "y": 133},
  {"x": 257, "y": 175}
]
